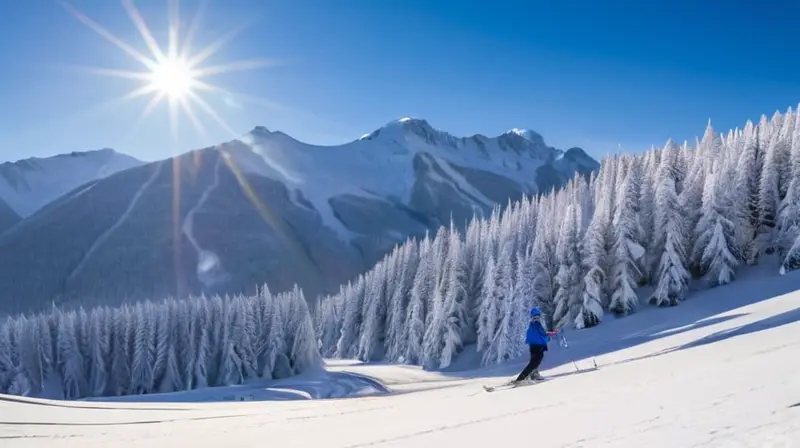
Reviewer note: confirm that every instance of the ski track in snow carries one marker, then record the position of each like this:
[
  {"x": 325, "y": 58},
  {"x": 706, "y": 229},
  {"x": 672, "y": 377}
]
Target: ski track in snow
[
  {"x": 104, "y": 236},
  {"x": 690, "y": 386},
  {"x": 204, "y": 257}
]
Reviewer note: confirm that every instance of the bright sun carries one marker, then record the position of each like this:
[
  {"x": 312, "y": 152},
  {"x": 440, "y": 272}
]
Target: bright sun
[
  {"x": 175, "y": 73},
  {"x": 173, "y": 77}
]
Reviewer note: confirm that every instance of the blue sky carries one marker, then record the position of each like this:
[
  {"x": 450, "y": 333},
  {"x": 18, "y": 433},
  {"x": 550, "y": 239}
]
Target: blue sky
[{"x": 586, "y": 73}]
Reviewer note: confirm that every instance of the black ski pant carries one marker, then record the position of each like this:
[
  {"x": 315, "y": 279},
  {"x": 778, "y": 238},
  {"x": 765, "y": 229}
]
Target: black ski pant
[{"x": 537, "y": 354}]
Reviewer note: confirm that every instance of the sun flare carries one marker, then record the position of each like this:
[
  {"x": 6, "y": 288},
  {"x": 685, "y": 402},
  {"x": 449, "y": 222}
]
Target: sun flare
[
  {"x": 174, "y": 78},
  {"x": 176, "y": 73}
]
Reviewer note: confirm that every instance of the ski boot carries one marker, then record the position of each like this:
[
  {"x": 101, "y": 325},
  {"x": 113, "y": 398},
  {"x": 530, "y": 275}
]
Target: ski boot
[{"x": 536, "y": 376}]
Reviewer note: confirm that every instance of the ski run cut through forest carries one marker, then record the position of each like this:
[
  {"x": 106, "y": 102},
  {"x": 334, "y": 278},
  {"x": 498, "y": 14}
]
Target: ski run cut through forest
[{"x": 660, "y": 229}]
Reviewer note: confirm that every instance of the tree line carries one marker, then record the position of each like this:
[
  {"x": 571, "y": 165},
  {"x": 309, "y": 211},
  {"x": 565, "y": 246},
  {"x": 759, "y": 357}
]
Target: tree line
[{"x": 149, "y": 347}]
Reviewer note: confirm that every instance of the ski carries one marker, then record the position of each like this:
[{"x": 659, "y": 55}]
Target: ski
[{"x": 512, "y": 385}]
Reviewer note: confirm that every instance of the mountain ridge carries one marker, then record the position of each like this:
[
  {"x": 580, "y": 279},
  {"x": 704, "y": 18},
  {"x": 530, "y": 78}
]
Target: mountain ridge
[
  {"x": 27, "y": 185},
  {"x": 264, "y": 208}
]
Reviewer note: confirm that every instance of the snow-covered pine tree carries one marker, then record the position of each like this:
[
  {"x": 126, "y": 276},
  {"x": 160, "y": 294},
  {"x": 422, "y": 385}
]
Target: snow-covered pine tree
[
  {"x": 457, "y": 328},
  {"x": 100, "y": 346},
  {"x": 568, "y": 299},
  {"x": 373, "y": 334},
  {"x": 672, "y": 276},
  {"x": 789, "y": 213},
  {"x": 691, "y": 197},
  {"x": 71, "y": 362},
  {"x": 489, "y": 314},
  {"x": 501, "y": 313},
  {"x": 303, "y": 353},
  {"x": 352, "y": 319},
  {"x": 408, "y": 261},
  {"x": 748, "y": 172},
  {"x": 769, "y": 188},
  {"x": 715, "y": 232},
  {"x": 595, "y": 251},
  {"x": 416, "y": 314},
  {"x": 627, "y": 252},
  {"x": 647, "y": 196}
]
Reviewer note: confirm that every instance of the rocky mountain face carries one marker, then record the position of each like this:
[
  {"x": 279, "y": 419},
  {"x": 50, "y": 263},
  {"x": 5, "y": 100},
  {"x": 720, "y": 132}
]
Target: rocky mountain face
[{"x": 266, "y": 208}]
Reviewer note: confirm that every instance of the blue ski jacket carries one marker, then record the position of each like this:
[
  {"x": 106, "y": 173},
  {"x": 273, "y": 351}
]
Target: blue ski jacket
[{"x": 536, "y": 334}]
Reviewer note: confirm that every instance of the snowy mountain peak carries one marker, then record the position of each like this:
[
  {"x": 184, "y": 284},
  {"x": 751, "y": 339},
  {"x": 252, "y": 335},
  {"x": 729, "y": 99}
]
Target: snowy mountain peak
[
  {"x": 29, "y": 184},
  {"x": 261, "y": 130},
  {"x": 527, "y": 134}
]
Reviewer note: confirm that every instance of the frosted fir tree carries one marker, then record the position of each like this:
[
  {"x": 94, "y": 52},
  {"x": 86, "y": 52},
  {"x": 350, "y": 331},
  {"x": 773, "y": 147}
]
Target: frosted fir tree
[
  {"x": 524, "y": 294},
  {"x": 396, "y": 344},
  {"x": 785, "y": 138},
  {"x": 303, "y": 353},
  {"x": 475, "y": 263},
  {"x": 691, "y": 196},
  {"x": 202, "y": 314},
  {"x": 187, "y": 353},
  {"x": 7, "y": 353},
  {"x": 544, "y": 266},
  {"x": 769, "y": 191},
  {"x": 747, "y": 175},
  {"x": 457, "y": 328},
  {"x": 569, "y": 299},
  {"x": 373, "y": 334},
  {"x": 627, "y": 251},
  {"x": 789, "y": 212},
  {"x": 647, "y": 216},
  {"x": 716, "y": 231},
  {"x": 100, "y": 349},
  {"x": 121, "y": 341},
  {"x": 144, "y": 349},
  {"x": 489, "y": 314},
  {"x": 595, "y": 252},
  {"x": 71, "y": 362},
  {"x": 500, "y": 314},
  {"x": 417, "y": 313},
  {"x": 672, "y": 276},
  {"x": 352, "y": 319},
  {"x": 230, "y": 363}
]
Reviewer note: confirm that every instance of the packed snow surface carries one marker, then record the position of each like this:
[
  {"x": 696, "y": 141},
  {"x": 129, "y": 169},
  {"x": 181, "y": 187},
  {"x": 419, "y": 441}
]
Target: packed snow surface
[{"x": 720, "y": 370}]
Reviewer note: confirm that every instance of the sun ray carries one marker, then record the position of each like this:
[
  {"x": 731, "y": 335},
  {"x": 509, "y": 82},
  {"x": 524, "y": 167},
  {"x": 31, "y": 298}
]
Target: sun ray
[
  {"x": 235, "y": 66},
  {"x": 148, "y": 109},
  {"x": 211, "y": 112},
  {"x": 173, "y": 8},
  {"x": 187, "y": 108},
  {"x": 144, "y": 31},
  {"x": 215, "y": 46},
  {"x": 193, "y": 26},
  {"x": 116, "y": 73},
  {"x": 96, "y": 27}
]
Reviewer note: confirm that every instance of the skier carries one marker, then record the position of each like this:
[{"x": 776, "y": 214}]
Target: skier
[{"x": 537, "y": 338}]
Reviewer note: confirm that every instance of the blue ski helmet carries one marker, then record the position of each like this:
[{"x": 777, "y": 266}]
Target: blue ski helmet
[{"x": 535, "y": 311}]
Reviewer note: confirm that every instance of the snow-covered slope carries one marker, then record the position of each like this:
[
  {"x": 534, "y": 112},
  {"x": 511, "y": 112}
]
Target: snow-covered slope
[
  {"x": 720, "y": 370},
  {"x": 266, "y": 208},
  {"x": 28, "y": 185}
]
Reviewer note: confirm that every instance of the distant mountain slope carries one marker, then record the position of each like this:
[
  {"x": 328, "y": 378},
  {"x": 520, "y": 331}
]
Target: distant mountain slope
[
  {"x": 29, "y": 184},
  {"x": 266, "y": 208},
  {"x": 8, "y": 217}
]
